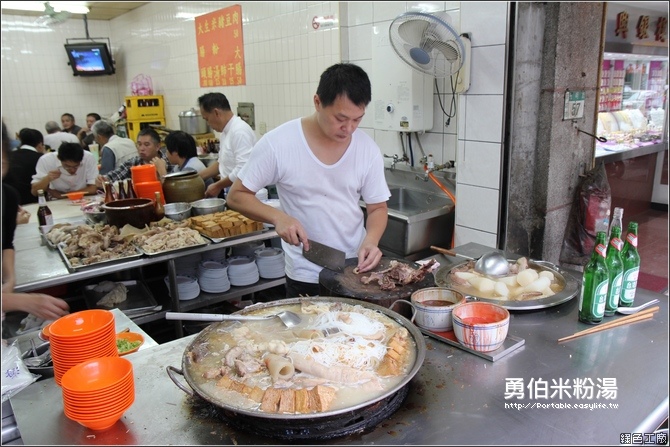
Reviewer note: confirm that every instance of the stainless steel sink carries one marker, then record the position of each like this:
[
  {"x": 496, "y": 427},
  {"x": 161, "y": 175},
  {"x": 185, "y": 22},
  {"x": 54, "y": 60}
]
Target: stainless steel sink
[{"x": 417, "y": 220}]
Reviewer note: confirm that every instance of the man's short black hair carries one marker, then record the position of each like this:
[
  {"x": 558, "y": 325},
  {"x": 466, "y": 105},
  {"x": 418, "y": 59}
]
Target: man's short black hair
[
  {"x": 31, "y": 137},
  {"x": 345, "y": 79},
  {"x": 214, "y": 100},
  {"x": 71, "y": 152}
]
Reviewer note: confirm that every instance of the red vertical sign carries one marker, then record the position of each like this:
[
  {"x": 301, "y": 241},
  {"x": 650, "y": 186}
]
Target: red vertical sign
[{"x": 220, "y": 48}]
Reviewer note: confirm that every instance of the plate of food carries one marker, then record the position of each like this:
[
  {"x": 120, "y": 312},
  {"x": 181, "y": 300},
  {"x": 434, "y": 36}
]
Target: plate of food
[{"x": 127, "y": 342}]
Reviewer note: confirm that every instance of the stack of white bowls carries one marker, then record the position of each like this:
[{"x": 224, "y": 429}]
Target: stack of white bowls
[
  {"x": 242, "y": 271},
  {"x": 187, "y": 285},
  {"x": 213, "y": 276},
  {"x": 218, "y": 254},
  {"x": 187, "y": 265},
  {"x": 247, "y": 249},
  {"x": 270, "y": 262}
]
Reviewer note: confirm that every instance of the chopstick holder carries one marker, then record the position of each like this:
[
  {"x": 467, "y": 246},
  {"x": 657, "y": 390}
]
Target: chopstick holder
[{"x": 640, "y": 316}]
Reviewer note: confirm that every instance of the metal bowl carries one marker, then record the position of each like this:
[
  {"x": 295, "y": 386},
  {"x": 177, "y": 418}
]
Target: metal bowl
[
  {"x": 96, "y": 217},
  {"x": 208, "y": 206},
  {"x": 178, "y": 210}
]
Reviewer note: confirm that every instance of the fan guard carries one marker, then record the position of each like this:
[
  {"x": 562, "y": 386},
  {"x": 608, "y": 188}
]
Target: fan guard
[{"x": 427, "y": 43}]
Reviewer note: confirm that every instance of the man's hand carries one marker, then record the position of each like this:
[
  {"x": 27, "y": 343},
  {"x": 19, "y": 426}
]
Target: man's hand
[
  {"x": 53, "y": 175},
  {"x": 100, "y": 181},
  {"x": 23, "y": 216},
  {"x": 291, "y": 230},
  {"x": 213, "y": 190},
  {"x": 369, "y": 256}
]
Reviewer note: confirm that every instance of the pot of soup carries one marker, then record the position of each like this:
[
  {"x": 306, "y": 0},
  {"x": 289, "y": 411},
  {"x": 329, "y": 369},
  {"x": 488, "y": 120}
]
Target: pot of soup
[{"x": 347, "y": 362}]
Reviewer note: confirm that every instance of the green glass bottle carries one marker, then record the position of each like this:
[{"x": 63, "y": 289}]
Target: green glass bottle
[
  {"x": 631, "y": 266},
  {"x": 615, "y": 267},
  {"x": 595, "y": 280}
]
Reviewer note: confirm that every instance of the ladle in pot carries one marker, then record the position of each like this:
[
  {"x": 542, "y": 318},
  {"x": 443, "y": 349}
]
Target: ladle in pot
[
  {"x": 290, "y": 319},
  {"x": 492, "y": 264}
]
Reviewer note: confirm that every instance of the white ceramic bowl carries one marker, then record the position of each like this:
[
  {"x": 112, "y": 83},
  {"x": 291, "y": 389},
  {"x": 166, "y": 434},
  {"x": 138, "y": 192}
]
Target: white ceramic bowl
[
  {"x": 434, "y": 306},
  {"x": 480, "y": 326}
]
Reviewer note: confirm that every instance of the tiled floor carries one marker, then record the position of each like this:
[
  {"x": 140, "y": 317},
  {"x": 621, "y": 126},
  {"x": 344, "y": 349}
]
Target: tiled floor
[{"x": 652, "y": 241}]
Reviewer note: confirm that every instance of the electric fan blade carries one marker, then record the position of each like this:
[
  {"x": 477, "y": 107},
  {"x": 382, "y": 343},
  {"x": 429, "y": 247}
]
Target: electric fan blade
[
  {"x": 449, "y": 50},
  {"x": 412, "y": 31}
]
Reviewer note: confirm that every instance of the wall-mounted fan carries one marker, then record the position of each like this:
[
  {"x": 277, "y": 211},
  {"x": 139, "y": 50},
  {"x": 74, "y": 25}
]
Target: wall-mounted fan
[
  {"x": 429, "y": 44},
  {"x": 51, "y": 16}
]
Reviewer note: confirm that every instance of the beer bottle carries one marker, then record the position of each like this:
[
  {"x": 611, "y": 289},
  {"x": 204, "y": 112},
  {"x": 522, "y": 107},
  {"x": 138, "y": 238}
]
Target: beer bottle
[
  {"x": 44, "y": 215},
  {"x": 122, "y": 190},
  {"x": 615, "y": 267},
  {"x": 131, "y": 191},
  {"x": 109, "y": 193},
  {"x": 594, "y": 284},
  {"x": 631, "y": 266}
]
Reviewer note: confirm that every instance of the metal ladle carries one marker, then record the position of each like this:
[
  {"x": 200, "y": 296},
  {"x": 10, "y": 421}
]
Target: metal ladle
[
  {"x": 492, "y": 264},
  {"x": 290, "y": 319}
]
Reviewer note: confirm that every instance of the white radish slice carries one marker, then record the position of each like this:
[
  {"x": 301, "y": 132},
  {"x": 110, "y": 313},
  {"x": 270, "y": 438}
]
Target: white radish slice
[
  {"x": 466, "y": 275},
  {"x": 526, "y": 277},
  {"x": 538, "y": 285},
  {"x": 547, "y": 292},
  {"x": 501, "y": 289},
  {"x": 482, "y": 284},
  {"x": 509, "y": 281},
  {"x": 547, "y": 274}
]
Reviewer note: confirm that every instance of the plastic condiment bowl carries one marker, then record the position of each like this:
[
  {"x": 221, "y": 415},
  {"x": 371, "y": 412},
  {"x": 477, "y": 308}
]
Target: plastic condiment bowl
[
  {"x": 480, "y": 326},
  {"x": 96, "y": 374},
  {"x": 81, "y": 323},
  {"x": 75, "y": 195}
]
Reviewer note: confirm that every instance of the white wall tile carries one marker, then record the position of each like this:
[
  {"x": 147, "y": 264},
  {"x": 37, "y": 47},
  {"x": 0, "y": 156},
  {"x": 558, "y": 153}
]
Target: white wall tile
[
  {"x": 483, "y": 120},
  {"x": 485, "y": 74},
  {"x": 358, "y": 13},
  {"x": 486, "y": 21},
  {"x": 479, "y": 164},
  {"x": 360, "y": 42},
  {"x": 387, "y": 10},
  {"x": 478, "y": 207},
  {"x": 464, "y": 235}
]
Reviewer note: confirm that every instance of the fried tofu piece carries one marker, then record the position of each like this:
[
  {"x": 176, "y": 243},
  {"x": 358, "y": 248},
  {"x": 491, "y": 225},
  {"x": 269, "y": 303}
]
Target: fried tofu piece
[
  {"x": 396, "y": 353},
  {"x": 320, "y": 397},
  {"x": 301, "y": 401},
  {"x": 287, "y": 401},
  {"x": 270, "y": 401}
]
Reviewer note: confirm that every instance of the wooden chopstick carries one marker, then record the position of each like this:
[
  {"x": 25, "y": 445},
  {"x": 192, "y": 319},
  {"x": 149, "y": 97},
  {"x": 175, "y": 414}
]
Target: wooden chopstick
[{"x": 640, "y": 316}]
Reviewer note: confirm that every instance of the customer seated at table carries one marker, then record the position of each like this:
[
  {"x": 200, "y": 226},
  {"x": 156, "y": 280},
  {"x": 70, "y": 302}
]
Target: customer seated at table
[
  {"x": 114, "y": 150},
  {"x": 54, "y": 137},
  {"x": 40, "y": 305},
  {"x": 68, "y": 170},
  {"x": 148, "y": 148},
  {"x": 182, "y": 153},
  {"x": 67, "y": 120},
  {"x": 23, "y": 161},
  {"x": 85, "y": 135}
]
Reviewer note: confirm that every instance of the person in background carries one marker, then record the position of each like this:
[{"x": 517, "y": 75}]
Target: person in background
[
  {"x": 148, "y": 148},
  {"x": 322, "y": 165},
  {"x": 54, "y": 137},
  {"x": 238, "y": 138},
  {"x": 68, "y": 170},
  {"x": 24, "y": 162},
  {"x": 182, "y": 154},
  {"x": 114, "y": 150},
  {"x": 85, "y": 135},
  {"x": 67, "y": 120},
  {"x": 40, "y": 305}
]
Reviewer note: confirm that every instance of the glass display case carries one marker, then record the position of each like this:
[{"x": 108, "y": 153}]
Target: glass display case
[{"x": 632, "y": 110}]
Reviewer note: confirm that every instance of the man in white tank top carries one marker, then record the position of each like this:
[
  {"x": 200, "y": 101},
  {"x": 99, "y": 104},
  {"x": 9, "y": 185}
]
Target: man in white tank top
[{"x": 322, "y": 165}]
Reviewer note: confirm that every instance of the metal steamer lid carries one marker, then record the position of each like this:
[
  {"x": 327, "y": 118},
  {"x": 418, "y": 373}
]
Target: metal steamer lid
[{"x": 189, "y": 113}]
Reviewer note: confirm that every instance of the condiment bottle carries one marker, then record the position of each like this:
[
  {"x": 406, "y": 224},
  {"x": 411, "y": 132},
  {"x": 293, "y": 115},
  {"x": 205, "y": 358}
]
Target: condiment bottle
[
  {"x": 631, "y": 266},
  {"x": 594, "y": 284},
  {"x": 44, "y": 215},
  {"x": 615, "y": 267},
  {"x": 131, "y": 190},
  {"x": 109, "y": 193},
  {"x": 160, "y": 210},
  {"x": 617, "y": 221},
  {"x": 123, "y": 185}
]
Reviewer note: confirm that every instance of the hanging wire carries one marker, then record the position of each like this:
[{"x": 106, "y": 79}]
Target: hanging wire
[
  {"x": 452, "y": 106},
  {"x": 411, "y": 152}
]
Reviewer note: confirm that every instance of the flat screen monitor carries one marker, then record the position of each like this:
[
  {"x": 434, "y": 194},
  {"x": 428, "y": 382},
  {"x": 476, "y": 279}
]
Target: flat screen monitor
[{"x": 90, "y": 59}]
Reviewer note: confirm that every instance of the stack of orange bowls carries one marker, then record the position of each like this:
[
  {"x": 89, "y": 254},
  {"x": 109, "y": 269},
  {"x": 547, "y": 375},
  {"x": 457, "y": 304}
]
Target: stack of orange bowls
[
  {"x": 145, "y": 182},
  {"x": 97, "y": 392},
  {"x": 81, "y": 336},
  {"x": 143, "y": 173},
  {"x": 147, "y": 190}
]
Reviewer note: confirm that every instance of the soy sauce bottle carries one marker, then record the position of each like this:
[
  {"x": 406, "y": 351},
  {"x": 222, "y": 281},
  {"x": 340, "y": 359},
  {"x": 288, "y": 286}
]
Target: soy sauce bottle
[{"x": 44, "y": 215}]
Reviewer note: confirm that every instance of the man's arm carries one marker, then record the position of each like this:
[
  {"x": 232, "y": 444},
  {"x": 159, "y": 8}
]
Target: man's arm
[
  {"x": 107, "y": 160},
  {"x": 369, "y": 253},
  {"x": 210, "y": 171}
]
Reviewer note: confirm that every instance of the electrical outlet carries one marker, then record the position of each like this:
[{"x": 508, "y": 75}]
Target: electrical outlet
[{"x": 263, "y": 128}]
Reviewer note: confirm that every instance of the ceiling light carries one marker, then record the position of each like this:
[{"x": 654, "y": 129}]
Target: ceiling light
[{"x": 73, "y": 7}]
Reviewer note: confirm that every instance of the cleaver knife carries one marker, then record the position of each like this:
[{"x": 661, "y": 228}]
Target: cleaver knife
[{"x": 325, "y": 256}]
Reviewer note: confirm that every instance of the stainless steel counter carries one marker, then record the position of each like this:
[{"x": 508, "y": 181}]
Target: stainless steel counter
[{"x": 456, "y": 398}]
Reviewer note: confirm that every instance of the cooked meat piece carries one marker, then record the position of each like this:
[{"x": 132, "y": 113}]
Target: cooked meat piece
[
  {"x": 398, "y": 274},
  {"x": 117, "y": 295}
]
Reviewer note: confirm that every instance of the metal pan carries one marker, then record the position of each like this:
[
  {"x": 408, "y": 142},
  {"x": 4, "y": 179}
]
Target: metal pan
[{"x": 569, "y": 291}]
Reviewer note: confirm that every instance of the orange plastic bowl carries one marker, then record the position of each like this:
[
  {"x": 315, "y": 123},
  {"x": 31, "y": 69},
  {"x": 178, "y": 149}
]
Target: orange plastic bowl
[
  {"x": 75, "y": 195},
  {"x": 143, "y": 173},
  {"x": 130, "y": 337},
  {"x": 96, "y": 374},
  {"x": 81, "y": 323}
]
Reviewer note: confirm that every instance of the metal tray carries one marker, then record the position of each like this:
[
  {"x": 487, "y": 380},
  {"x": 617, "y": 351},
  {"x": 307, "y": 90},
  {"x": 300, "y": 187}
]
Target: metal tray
[
  {"x": 72, "y": 268},
  {"x": 174, "y": 250},
  {"x": 510, "y": 344},
  {"x": 139, "y": 299},
  {"x": 216, "y": 240},
  {"x": 570, "y": 287}
]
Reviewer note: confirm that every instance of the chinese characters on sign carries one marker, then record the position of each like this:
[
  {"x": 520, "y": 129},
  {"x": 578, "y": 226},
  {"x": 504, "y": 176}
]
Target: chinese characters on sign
[
  {"x": 218, "y": 36},
  {"x": 621, "y": 24},
  {"x": 642, "y": 27},
  {"x": 661, "y": 26},
  {"x": 578, "y": 389}
]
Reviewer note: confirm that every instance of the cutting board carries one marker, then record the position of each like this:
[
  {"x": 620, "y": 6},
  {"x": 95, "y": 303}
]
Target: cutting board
[{"x": 348, "y": 284}]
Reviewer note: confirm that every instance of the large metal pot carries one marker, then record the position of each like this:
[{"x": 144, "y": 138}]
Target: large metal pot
[
  {"x": 569, "y": 283},
  {"x": 191, "y": 121},
  {"x": 302, "y": 426}
]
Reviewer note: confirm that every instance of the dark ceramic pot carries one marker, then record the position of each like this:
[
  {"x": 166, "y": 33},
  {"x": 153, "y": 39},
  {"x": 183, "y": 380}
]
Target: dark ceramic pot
[
  {"x": 185, "y": 186},
  {"x": 135, "y": 212}
]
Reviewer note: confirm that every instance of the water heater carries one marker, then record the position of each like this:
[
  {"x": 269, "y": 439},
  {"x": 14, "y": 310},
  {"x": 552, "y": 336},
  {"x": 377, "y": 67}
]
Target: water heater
[{"x": 402, "y": 98}]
